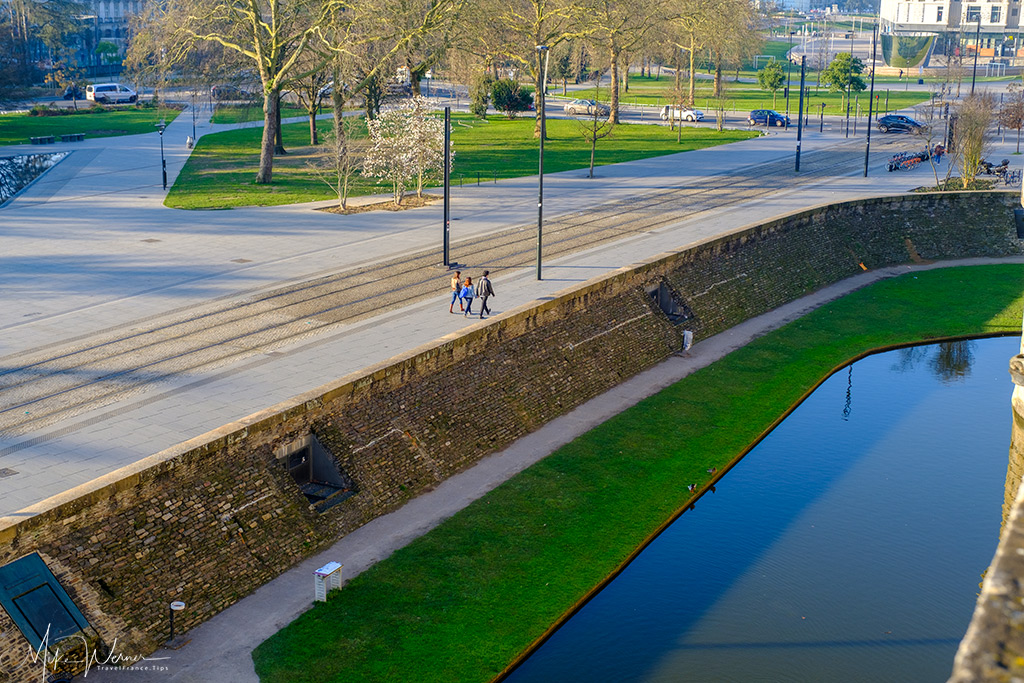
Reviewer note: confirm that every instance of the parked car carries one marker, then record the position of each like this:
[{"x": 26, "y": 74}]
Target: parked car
[
  {"x": 230, "y": 92},
  {"x": 897, "y": 123},
  {"x": 767, "y": 117},
  {"x": 681, "y": 114},
  {"x": 73, "y": 92},
  {"x": 586, "y": 107},
  {"x": 110, "y": 93}
]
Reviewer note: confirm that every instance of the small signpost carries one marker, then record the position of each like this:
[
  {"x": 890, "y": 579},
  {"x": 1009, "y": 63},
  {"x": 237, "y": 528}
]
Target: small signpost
[{"x": 326, "y": 579}]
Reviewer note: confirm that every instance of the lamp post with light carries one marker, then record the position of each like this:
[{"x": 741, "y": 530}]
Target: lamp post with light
[
  {"x": 977, "y": 49},
  {"x": 542, "y": 64},
  {"x": 163, "y": 162}
]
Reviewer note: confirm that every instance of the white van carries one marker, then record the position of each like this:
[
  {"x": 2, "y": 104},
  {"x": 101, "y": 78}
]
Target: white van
[{"x": 110, "y": 93}]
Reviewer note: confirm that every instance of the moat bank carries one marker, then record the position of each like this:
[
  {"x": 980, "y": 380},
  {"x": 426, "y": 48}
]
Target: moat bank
[{"x": 229, "y": 502}]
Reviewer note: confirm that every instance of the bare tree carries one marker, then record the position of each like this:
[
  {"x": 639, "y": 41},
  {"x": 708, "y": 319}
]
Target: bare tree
[
  {"x": 620, "y": 26},
  {"x": 971, "y": 135},
  {"x": 595, "y": 127},
  {"x": 1011, "y": 114},
  {"x": 339, "y": 161}
]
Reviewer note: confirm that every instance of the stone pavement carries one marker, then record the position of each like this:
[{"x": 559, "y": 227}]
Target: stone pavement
[
  {"x": 89, "y": 247},
  {"x": 80, "y": 262}
]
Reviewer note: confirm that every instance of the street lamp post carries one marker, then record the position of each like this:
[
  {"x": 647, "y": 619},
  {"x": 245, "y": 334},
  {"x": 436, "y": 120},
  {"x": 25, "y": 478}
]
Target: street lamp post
[
  {"x": 977, "y": 49},
  {"x": 789, "y": 74},
  {"x": 163, "y": 162},
  {"x": 542, "y": 64},
  {"x": 871, "y": 100}
]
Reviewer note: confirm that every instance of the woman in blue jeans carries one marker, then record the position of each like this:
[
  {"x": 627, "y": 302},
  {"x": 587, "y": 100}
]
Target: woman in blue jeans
[{"x": 467, "y": 295}]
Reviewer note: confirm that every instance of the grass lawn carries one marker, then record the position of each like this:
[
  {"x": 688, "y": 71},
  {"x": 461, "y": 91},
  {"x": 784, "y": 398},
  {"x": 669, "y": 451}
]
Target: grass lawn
[
  {"x": 16, "y": 129},
  {"x": 221, "y": 170},
  {"x": 742, "y": 97},
  {"x": 242, "y": 113},
  {"x": 460, "y": 603}
]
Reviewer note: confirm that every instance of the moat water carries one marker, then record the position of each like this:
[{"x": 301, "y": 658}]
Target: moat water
[
  {"x": 17, "y": 172},
  {"x": 847, "y": 546}
]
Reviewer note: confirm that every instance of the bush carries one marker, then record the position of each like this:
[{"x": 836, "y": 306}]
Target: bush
[
  {"x": 509, "y": 97},
  {"x": 43, "y": 110},
  {"x": 479, "y": 95}
]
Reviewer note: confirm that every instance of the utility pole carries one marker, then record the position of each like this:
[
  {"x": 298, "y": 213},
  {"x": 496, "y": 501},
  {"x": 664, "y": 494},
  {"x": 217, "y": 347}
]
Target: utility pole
[
  {"x": 871, "y": 101},
  {"x": 977, "y": 49},
  {"x": 800, "y": 117}
]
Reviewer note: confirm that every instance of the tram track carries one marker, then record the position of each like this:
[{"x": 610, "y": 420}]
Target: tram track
[{"x": 41, "y": 388}]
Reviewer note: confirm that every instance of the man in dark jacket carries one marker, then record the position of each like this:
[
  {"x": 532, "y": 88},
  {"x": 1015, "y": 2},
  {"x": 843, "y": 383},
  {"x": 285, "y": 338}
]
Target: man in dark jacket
[{"x": 484, "y": 290}]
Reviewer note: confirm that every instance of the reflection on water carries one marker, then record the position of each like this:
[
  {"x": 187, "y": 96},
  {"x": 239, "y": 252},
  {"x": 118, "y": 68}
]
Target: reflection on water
[
  {"x": 848, "y": 546},
  {"x": 17, "y": 172}
]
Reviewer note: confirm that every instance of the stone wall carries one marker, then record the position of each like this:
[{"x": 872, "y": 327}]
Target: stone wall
[
  {"x": 993, "y": 649},
  {"x": 212, "y": 519}
]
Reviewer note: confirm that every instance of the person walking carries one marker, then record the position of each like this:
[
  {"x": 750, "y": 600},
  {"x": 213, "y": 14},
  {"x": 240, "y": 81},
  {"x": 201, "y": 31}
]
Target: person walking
[
  {"x": 456, "y": 290},
  {"x": 467, "y": 295},
  {"x": 484, "y": 290}
]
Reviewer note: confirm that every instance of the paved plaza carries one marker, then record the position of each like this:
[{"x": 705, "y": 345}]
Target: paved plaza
[{"x": 90, "y": 251}]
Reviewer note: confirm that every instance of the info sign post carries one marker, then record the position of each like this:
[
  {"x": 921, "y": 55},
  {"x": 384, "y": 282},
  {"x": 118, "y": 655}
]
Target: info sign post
[{"x": 326, "y": 579}]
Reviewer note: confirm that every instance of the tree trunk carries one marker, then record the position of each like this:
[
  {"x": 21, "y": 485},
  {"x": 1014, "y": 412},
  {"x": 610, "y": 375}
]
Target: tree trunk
[
  {"x": 613, "y": 55},
  {"x": 313, "y": 139},
  {"x": 692, "y": 95},
  {"x": 270, "y": 119},
  {"x": 340, "y": 149},
  {"x": 718, "y": 75},
  {"x": 278, "y": 134},
  {"x": 625, "y": 77},
  {"x": 593, "y": 148},
  {"x": 1018, "y": 140}
]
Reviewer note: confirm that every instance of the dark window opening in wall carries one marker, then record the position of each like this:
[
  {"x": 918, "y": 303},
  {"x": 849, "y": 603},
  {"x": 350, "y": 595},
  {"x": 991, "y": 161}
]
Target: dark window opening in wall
[
  {"x": 995, "y": 15},
  {"x": 320, "y": 479},
  {"x": 37, "y": 603},
  {"x": 670, "y": 304},
  {"x": 1013, "y": 12},
  {"x": 938, "y": 16},
  {"x": 973, "y": 13}
]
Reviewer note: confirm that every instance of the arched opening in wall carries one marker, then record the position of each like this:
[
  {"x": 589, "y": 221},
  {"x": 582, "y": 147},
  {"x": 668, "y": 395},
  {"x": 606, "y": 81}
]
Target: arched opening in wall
[
  {"x": 670, "y": 303},
  {"x": 316, "y": 472}
]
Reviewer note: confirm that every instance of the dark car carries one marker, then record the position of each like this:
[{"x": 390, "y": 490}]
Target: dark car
[
  {"x": 73, "y": 92},
  {"x": 895, "y": 123},
  {"x": 767, "y": 117},
  {"x": 230, "y": 92}
]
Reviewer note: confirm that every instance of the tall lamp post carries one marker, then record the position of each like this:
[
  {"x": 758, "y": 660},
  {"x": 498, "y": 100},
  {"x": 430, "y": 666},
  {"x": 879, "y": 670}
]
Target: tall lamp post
[
  {"x": 163, "y": 162},
  {"x": 542, "y": 64},
  {"x": 977, "y": 49},
  {"x": 789, "y": 74},
  {"x": 871, "y": 99}
]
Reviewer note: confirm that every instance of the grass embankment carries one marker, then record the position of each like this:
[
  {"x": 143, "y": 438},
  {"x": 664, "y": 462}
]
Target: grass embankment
[
  {"x": 222, "y": 168},
  {"x": 460, "y": 603},
  {"x": 243, "y": 113},
  {"x": 16, "y": 129}
]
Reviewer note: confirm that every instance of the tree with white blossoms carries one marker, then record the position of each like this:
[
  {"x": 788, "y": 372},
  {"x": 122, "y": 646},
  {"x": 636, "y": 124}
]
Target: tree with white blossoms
[{"x": 405, "y": 143}]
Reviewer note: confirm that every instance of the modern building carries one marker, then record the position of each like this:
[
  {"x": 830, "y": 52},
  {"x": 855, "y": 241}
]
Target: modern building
[{"x": 956, "y": 27}]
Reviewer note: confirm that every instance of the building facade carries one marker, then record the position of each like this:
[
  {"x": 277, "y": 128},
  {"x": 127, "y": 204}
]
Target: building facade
[{"x": 992, "y": 27}]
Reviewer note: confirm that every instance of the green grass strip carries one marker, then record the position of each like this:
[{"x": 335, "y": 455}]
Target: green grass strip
[
  {"x": 221, "y": 171},
  {"x": 461, "y": 602},
  {"x": 742, "y": 97},
  {"x": 16, "y": 129},
  {"x": 243, "y": 113}
]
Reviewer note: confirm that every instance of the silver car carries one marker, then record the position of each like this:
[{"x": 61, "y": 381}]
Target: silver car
[
  {"x": 586, "y": 107},
  {"x": 681, "y": 114}
]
